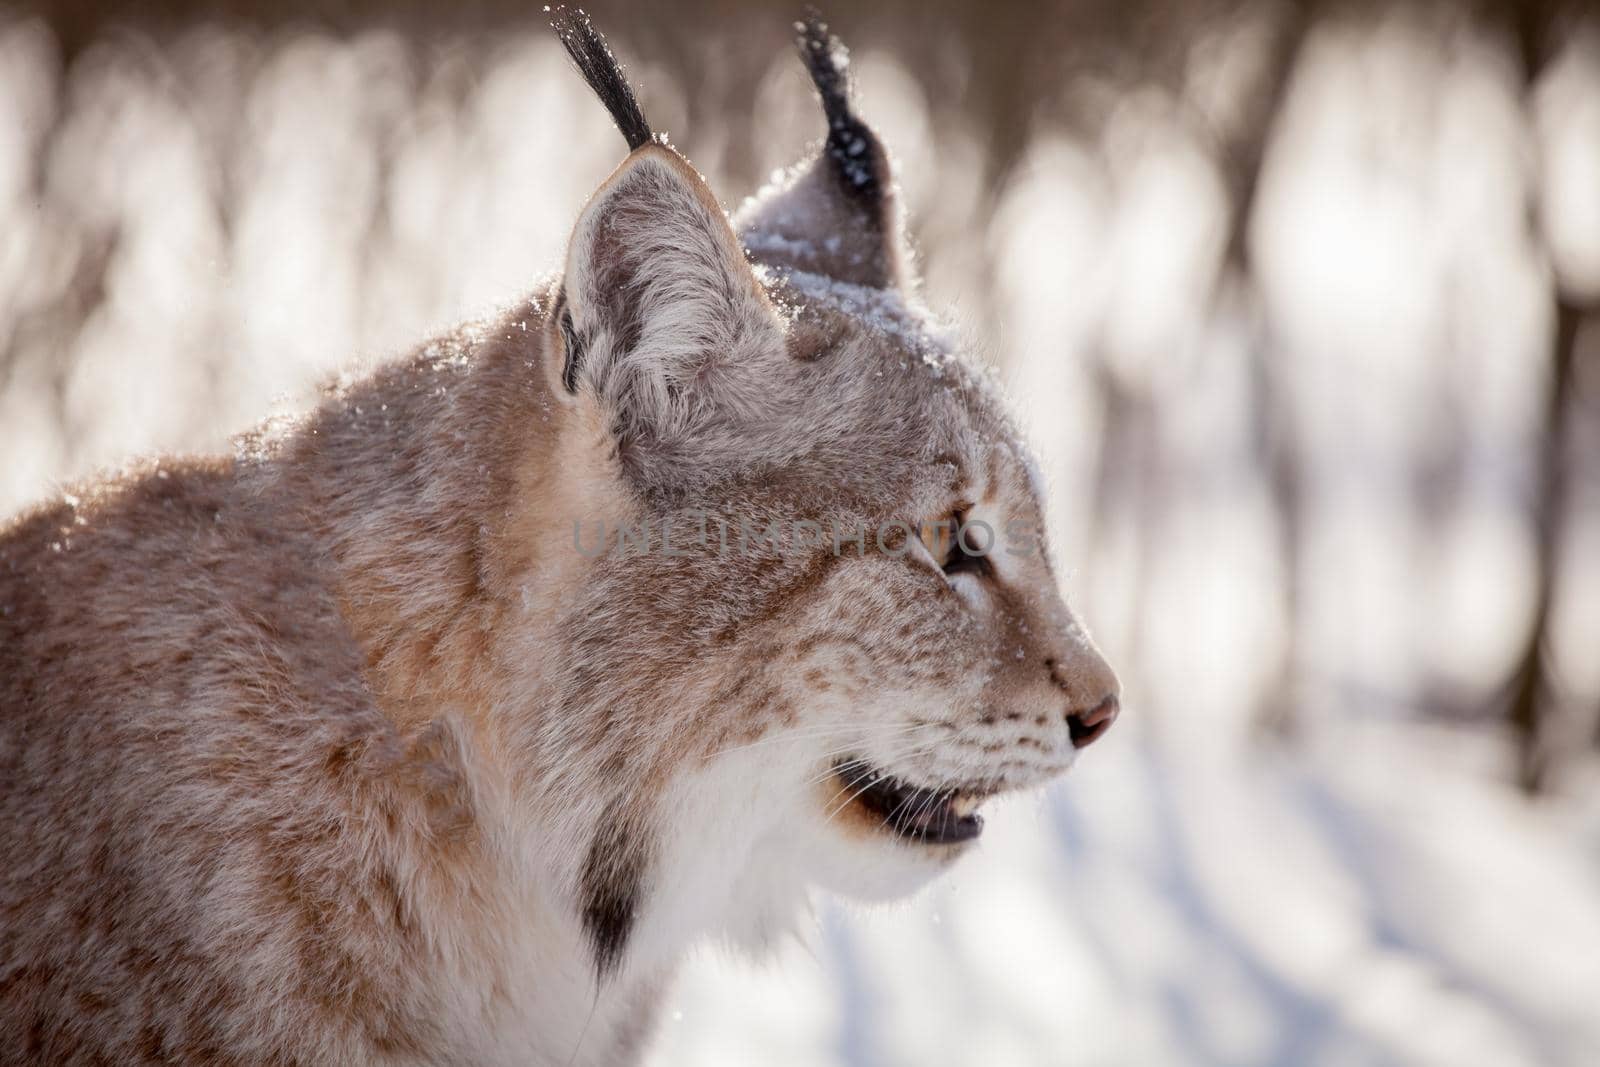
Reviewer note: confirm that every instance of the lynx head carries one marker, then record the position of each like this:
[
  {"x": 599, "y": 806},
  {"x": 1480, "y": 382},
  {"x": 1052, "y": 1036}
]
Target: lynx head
[{"x": 808, "y": 619}]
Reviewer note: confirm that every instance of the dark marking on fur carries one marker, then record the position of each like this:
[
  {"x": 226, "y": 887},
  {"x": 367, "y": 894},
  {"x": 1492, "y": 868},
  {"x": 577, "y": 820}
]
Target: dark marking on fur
[
  {"x": 572, "y": 356},
  {"x": 590, "y": 54},
  {"x": 611, "y": 887}
]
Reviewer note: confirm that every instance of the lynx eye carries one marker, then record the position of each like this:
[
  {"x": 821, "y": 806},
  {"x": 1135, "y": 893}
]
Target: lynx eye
[{"x": 956, "y": 545}]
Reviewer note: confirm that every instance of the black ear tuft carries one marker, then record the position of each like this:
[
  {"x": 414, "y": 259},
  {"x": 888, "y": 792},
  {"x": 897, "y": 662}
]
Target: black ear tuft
[
  {"x": 837, "y": 215},
  {"x": 590, "y": 54},
  {"x": 852, "y": 146}
]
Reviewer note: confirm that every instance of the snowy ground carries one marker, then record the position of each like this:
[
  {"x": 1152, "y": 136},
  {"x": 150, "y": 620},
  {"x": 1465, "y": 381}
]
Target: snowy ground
[{"x": 1360, "y": 904}]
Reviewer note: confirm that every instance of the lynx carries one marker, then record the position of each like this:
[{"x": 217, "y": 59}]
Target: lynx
[{"x": 437, "y": 726}]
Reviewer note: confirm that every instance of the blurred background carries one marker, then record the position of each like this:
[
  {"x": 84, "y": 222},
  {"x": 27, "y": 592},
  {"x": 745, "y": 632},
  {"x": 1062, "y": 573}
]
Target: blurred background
[{"x": 1301, "y": 302}]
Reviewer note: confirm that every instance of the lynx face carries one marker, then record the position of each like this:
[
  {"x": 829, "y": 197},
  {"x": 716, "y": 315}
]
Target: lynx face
[
  {"x": 811, "y": 619},
  {"x": 905, "y": 680},
  {"x": 855, "y": 587}
]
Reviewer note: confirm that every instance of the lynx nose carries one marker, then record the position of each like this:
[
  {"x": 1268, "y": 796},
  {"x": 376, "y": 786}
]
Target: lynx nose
[
  {"x": 1087, "y": 727},
  {"x": 1093, "y": 695}
]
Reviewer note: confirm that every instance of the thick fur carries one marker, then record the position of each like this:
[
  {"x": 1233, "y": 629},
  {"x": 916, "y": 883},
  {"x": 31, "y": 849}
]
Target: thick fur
[{"x": 346, "y": 749}]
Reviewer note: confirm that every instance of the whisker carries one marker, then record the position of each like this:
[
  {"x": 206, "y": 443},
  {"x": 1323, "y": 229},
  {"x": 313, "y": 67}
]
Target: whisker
[
  {"x": 868, "y": 784},
  {"x": 900, "y": 734},
  {"x": 800, "y": 733}
]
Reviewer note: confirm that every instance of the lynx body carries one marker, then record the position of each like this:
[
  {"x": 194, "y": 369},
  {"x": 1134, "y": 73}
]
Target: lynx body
[{"x": 436, "y": 727}]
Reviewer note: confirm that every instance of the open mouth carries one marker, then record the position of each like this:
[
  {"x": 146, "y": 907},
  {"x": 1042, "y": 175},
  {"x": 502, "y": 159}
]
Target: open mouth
[{"x": 927, "y": 816}]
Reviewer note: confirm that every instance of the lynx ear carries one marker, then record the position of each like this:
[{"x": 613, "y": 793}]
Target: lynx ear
[
  {"x": 838, "y": 215},
  {"x": 664, "y": 319}
]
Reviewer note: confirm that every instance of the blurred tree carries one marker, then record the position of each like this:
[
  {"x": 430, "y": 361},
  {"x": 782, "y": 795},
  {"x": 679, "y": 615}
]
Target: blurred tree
[
  {"x": 1535, "y": 697},
  {"x": 1241, "y": 151}
]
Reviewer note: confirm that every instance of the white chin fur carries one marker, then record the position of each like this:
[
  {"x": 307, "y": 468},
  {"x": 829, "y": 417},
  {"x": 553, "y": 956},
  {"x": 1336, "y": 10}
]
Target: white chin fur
[
  {"x": 871, "y": 866},
  {"x": 747, "y": 849}
]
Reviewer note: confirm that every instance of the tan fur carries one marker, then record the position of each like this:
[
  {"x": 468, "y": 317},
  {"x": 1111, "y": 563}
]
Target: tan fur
[{"x": 329, "y": 751}]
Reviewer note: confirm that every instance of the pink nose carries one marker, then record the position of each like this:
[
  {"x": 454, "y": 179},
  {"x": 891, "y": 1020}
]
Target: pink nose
[{"x": 1087, "y": 727}]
